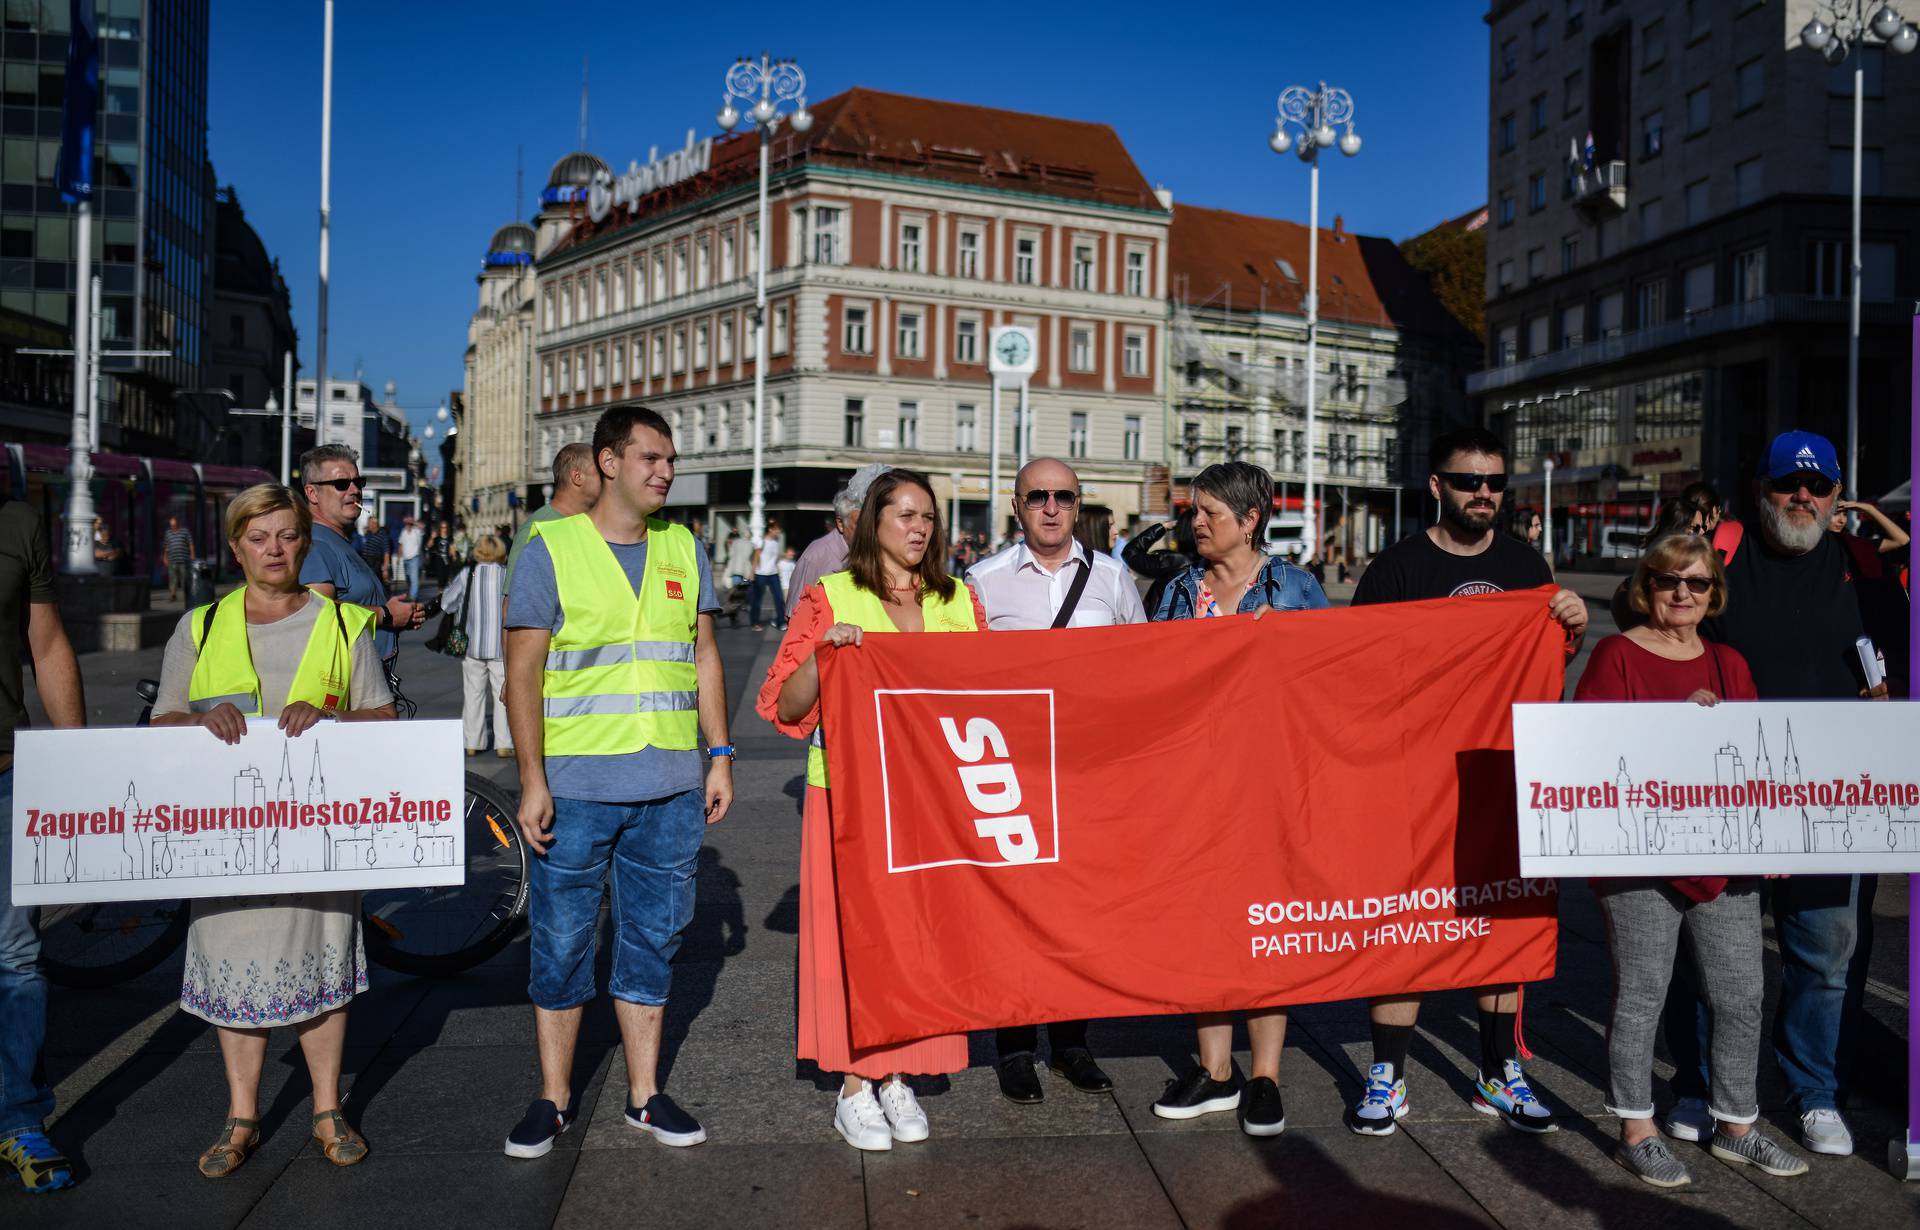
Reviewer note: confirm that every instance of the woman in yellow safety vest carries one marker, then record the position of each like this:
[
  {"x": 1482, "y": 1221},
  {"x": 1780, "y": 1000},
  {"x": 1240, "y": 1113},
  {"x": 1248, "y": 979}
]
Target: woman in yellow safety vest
[
  {"x": 896, "y": 581},
  {"x": 272, "y": 647}
]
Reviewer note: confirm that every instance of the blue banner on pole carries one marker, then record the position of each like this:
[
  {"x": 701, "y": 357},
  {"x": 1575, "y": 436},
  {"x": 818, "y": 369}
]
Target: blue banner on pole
[{"x": 75, "y": 176}]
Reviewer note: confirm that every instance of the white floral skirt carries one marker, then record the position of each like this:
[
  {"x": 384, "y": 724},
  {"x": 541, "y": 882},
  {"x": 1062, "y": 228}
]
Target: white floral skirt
[{"x": 257, "y": 962}]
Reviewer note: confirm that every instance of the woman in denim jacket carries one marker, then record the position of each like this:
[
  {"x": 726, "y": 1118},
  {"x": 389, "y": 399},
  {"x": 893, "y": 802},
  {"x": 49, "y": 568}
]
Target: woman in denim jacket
[{"x": 1231, "y": 503}]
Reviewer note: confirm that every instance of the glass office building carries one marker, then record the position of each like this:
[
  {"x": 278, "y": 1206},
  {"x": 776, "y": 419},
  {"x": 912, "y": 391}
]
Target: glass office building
[{"x": 152, "y": 232}]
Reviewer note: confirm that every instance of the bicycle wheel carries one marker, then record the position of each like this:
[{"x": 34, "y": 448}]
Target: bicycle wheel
[
  {"x": 99, "y": 944},
  {"x": 434, "y": 931}
]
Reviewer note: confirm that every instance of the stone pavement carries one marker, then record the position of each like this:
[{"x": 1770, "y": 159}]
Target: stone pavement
[{"x": 438, "y": 1071}]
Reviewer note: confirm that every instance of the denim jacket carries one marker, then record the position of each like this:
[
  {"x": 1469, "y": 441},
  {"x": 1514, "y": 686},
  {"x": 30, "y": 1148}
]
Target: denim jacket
[{"x": 1280, "y": 585}]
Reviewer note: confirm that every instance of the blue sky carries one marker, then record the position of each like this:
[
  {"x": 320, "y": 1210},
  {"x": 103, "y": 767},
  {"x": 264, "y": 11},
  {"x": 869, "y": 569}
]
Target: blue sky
[{"x": 431, "y": 100}]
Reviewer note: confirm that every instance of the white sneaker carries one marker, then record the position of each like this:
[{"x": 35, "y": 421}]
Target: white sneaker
[
  {"x": 903, "y": 1112},
  {"x": 1688, "y": 1120},
  {"x": 860, "y": 1119},
  {"x": 1824, "y": 1131}
]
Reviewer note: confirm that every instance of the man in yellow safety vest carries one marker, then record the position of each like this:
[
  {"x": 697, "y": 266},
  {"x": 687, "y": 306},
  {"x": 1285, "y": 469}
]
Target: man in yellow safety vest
[{"x": 612, "y": 675}]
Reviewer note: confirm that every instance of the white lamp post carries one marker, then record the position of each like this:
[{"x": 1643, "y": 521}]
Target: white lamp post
[
  {"x": 1848, "y": 31},
  {"x": 763, "y": 84},
  {"x": 1314, "y": 113}
]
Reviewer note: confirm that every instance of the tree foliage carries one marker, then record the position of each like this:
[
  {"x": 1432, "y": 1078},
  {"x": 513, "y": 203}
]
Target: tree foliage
[{"x": 1454, "y": 260}]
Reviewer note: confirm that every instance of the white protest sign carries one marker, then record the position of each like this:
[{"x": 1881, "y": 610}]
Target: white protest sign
[
  {"x": 136, "y": 813},
  {"x": 1742, "y": 788}
]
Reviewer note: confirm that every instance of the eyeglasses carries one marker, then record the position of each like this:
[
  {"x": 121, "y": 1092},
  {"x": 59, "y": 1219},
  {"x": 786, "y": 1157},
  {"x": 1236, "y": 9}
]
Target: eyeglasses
[
  {"x": 1819, "y": 486},
  {"x": 341, "y": 485},
  {"x": 1038, "y": 497},
  {"x": 1667, "y": 582},
  {"x": 1467, "y": 484}
]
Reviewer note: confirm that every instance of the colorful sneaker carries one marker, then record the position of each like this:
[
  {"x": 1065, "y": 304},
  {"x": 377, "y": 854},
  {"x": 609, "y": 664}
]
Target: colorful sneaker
[
  {"x": 669, "y": 1124},
  {"x": 1382, "y": 1106},
  {"x": 40, "y": 1166},
  {"x": 1688, "y": 1120},
  {"x": 1509, "y": 1097},
  {"x": 534, "y": 1135},
  {"x": 1756, "y": 1150}
]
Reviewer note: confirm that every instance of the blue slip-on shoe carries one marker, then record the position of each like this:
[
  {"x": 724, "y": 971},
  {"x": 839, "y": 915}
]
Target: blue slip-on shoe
[
  {"x": 534, "y": 1135},
  {"x": 669, "y": 1124}
]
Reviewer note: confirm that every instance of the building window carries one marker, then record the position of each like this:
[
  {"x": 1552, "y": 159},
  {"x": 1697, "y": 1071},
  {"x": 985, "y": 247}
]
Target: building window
[
  {"x": 1026, "y": 260},
  {"x": 659, "y": 275},
  {"x": 726, "y": 255},
  {"x": 1507, "y": 345},
  {"x": 907, "y": 341},
  {"x": 1653, "y": 43},
  {"x": 1873, "y": 64},
  {"x": 966, "y": 429},
  {"x": 726, "y": 340},
  {"x": 1650, "y": 220},
  {"x": 1650, "y": 303},
  {"x": 777, "y": 419},
  {"x": 659, "y": 354},
  {"x": 1539, "y": 36},
  {"x": 1696, "y": 288},
  {"x": 1749, "y": 275},
  {"x": 617, "y": 357},
  {"x": 1653, "y": 128},
  {"x": 1236, "y": 442},
  {"x": 716, "y": 426},
  {"x": 1503, "y": 276},
  {"x": 1130, "y": 438},
  {"x": 910, "y": 424},
  {"x": 1133, "y": 354},
  {"x": 970, "y": 254},
  {"x": 639, "y": 360},
  {"x": 680, "y": 349},
  {"x": 910, "y": 242},
  {"x": 780, "y": 329},
  {"x": 1840, "y": 170},
  {"x": 1136, "y": 272},
  {"x": 1576, "y": 16},
  {"x": 1569, "y": 253},
  {"x": 680, "y": 269},
  {"x": 1536, "y": 193},
  {"x": 1746, "y": 181},
  {"x": 620, "y": 288},
  {"x": 1611, "y": 308},
  {"x": 1536, "y": 264},
  {"x": 1509, "y": 58},
  {"x": 1190, "y": 442},
  {"x": 966, "y": 341},
  {"x": 566, "y": 304},
  {"x": 1083, "y": 266},
  {"x": 1573, "y": 326},
  {"x": 1505, "y": 211},
  {"x": 701, "y": 355},
  {"x": 855, "y": 434},
  {"x": 1699, "y": 109},
  {"x": 1537, "y": 339},
  {"x": 1827, "y": 268},
  {"x": 546, "y": 309},
  {"x": 854, "y": 335},
  {"x": 600, "y": 293},
  {"x": 703, "y": 262},
  {"x": 1572, "y": 95},
  {"x": 1699, "y": 23},
  {"x": 1077, "y": 434},
  {"x": 1506, "y": 133},
  {"x": 1749, "y": 84},
  {"x": 1080, "y": 350},
  {"x": 1696, "y": 201},
  {"x": 826, "y": 235},
  {"x": 546, "y": 378},
  {"x": 1537, "y": 114}
]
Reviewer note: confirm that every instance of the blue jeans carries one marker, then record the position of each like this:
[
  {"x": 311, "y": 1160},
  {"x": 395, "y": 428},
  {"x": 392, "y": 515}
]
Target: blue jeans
[
  {"x": 26, "y": 1099},
  {"x": 652, "y": 850},
  {"x": 765, "y": 583},
  {"x": 1817, "y": 922},
  {"x": 412, "y": 567}
]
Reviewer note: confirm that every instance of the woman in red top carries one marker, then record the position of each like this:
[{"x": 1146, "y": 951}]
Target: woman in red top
[{"x": 1679, "y": 583}]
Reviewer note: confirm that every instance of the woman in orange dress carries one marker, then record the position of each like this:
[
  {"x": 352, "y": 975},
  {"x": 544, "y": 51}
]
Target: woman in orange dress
[{"x": 896, "y": 581}]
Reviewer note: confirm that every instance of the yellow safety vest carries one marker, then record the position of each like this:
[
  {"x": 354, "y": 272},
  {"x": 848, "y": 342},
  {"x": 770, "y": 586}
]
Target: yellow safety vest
[
  {"x": 224, "y": 672},
  {"x": 853, "y": 605},
  {"x": 620, "y": 673}
]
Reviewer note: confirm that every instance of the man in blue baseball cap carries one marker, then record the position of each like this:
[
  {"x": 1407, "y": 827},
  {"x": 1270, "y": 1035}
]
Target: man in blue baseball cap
[{"x": 1794, "y": 611}]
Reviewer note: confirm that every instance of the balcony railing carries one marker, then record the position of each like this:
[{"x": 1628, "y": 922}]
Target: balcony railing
[
  {"x": 1602, "y": 191},
  {"x": 1695, "y": 326}
]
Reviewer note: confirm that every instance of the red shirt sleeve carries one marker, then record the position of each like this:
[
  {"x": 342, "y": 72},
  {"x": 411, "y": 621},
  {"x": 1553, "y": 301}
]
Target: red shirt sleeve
[{"x": 807, "y": 622}]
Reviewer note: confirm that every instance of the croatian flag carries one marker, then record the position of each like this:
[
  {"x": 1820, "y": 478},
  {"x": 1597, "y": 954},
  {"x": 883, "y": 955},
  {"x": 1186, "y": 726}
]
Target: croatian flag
[
  {"x": 1586, "y": 152},
  {"x": 75, "y": 173}
]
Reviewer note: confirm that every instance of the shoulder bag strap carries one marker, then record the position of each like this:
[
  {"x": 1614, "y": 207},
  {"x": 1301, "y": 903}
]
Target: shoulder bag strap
[{"x": 1074, "y": 591}]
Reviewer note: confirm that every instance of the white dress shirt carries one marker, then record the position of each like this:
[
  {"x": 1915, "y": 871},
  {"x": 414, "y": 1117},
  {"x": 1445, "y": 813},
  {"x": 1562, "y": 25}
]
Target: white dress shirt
[{"x": 1020, "y": 594}]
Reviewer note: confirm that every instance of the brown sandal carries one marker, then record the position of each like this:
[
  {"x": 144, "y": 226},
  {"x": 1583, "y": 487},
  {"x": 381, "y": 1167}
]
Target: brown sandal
[
  {"x": 345, "y": 1147},
  {"x": 226, "y": 1156}
]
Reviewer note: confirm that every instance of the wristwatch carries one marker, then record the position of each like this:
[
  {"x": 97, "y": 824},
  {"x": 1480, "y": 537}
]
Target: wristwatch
[{"x": 725, "y": 749}]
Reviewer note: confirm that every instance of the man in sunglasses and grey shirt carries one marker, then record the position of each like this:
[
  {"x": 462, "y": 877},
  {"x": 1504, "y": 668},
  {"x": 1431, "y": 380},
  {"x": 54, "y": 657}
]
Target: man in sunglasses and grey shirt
[
  {"x": 1463, "y": 555},
  {"x": 1051, "y": 580},
  {"x": 330, "y": 476}
]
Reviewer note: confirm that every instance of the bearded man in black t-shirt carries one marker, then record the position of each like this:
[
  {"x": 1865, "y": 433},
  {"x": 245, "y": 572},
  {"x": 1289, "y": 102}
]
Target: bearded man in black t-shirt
[{"x": 1460, "y": 557}]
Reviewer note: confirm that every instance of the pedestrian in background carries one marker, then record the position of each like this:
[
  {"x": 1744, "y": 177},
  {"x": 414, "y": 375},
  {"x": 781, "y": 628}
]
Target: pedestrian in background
[
  {"x": 177, "y": 548},
  {"x": 739, "y": 558},
  {"x": 440, "y": 553},
  {"x": 1676, "y": 585},
  {"x": 475, "y": 598},
  {"x": 576, "y": 486},
  {"x": 375, "y": 546},
  {"x": 896, "y": 581},
  {"x": 273, "y": 648},
  {"x": 1231, "y": 503},
  {"x": 768, "y": 549},
  {"x": 412, "y": 540},
  {"x": 30, "y": 630}
]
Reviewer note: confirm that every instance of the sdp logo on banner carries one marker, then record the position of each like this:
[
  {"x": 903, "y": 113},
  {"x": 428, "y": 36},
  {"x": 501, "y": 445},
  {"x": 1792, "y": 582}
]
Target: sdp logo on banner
[{"x": 967, "y": 778}]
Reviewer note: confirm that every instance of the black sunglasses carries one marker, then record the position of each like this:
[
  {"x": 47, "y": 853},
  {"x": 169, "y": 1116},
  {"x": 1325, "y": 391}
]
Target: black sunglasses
[
  {"x": 1037, "y": 498},
  {"x": 1818, "y": 485},
  {"x": 340, "y": 484},
  {"x": 1667, "y": 582},
  {"x": 1467, "y": 484}
]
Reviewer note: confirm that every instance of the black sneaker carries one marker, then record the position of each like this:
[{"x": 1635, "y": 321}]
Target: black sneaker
[
  {"x": 534, "y": 1135},
  {"x": 1196, "y": 1094},
  {"x": 1261, "y": 1113},
  {"x": 669, "y": 1124}
]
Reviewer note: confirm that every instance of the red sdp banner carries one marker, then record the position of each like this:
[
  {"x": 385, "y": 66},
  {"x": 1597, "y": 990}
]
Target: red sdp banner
[{"x": 1314, "y": 806}]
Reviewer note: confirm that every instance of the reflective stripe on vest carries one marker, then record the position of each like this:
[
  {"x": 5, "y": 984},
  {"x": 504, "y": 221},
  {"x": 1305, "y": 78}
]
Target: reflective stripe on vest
[
  {"x": 853, "y": 605},
  {"x": 224, "y": 673},
  {"x": 620, "y": 672}
]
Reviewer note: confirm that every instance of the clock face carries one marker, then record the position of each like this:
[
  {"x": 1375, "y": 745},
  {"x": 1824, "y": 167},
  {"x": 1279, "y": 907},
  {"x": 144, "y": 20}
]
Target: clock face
[{"x": 1013, "y": 349}]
